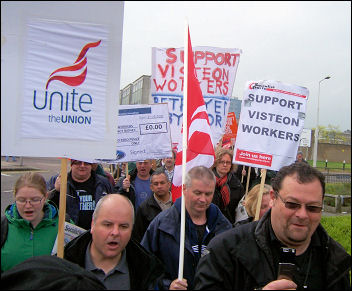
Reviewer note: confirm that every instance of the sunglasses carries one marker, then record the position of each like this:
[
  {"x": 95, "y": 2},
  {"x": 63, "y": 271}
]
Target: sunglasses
[{"x": 295, "y": 206}]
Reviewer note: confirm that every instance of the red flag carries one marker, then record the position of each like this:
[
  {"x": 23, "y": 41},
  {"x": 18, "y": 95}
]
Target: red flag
[{"x": 200, "y": 150}]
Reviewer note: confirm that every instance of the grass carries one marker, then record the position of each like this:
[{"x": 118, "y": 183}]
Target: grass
[
  {"x": 338, "y": 188},
  {"x": 339, "y": 228},
  {"x": 332, "y": 166}
]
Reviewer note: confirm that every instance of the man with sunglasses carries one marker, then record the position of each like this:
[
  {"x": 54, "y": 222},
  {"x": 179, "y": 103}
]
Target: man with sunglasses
[
  {"x": 248, "y": 257},
  {"x": 84, "y": 189}
]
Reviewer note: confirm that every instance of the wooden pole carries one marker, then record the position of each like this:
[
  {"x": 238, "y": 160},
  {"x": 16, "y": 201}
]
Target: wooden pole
[
  {"x": 260, "y": 194},
  {"x": 248, "y": 176},
  {"x": 62, "y": 209},
  {"x": 127, "y": 176}
]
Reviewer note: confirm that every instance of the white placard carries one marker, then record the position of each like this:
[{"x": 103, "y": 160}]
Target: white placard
[
  {"x": 60, "y": 64},
  {"x": 216, "y": 71},
  {"x": 143, "y": 133},
  {"x": 305, "y": 139},
  {"x": 71, "y": 232},
  {"x": 64, "y": 96},
  {"x": 271, "y": 121}
]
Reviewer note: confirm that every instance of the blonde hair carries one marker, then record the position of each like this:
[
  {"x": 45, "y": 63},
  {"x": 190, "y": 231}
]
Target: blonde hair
[
  {"x": 251, "y": 199},
  {"x": 30, "y": 179}
]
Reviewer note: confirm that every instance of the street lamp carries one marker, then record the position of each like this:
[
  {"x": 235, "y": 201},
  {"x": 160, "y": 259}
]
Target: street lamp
[{"x": 316, "y": 134}]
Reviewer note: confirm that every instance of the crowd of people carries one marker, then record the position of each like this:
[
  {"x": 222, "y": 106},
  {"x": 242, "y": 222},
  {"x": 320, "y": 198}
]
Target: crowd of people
[{"x": 132, "y": 227}]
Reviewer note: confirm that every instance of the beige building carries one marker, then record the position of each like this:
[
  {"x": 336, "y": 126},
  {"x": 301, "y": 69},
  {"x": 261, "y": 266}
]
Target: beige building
[{"x": 137, "y": 92}]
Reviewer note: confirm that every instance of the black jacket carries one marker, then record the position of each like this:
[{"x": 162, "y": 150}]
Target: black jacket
[
  {"x": 145, "y": 269},
  {"x": 236, "y": 193},
  {"x": 102, "y": 187},
  {"x": 241, "y": 259},
  {"x": 145, "y": 214}
]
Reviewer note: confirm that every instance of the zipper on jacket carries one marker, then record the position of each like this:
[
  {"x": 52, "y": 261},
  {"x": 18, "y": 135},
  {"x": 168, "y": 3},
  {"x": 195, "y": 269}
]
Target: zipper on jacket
[{"x": 31, "y": 237}]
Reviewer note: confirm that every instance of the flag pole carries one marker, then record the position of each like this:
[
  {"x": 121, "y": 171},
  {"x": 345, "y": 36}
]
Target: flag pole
[
  {"x": 184, "y": 152},
  {"x": 260, "y": 194}
]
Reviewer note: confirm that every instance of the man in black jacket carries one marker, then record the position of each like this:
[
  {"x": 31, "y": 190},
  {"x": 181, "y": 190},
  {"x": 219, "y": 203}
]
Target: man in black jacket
[
  {"x": 248, "y": 257},
  {"x": 107, "y": 251},
  {"x": 84, "y": 189},
  {"x": 159, "y": 201}
]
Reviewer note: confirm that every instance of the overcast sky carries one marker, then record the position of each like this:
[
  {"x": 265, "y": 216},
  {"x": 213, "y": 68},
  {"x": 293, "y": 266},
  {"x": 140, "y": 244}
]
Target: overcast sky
[{"x": 293, "y": 42}]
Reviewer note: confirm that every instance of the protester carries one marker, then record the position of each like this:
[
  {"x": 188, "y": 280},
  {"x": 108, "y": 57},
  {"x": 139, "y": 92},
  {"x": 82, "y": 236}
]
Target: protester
[
  {"x": 107, "y": 251},
  {"x": 270, "y": 174},
  {"x": 98, "y": 168},
  {"x": 251, "y": 200},
  {"x": 159, "y": 201},
  {"x": 204, "y": 220},
  {"x": 8, "y": 157},
  {"x": 299, "y": 157},
  {"x": 137, "y": 186},
  {"x": 228, "y": 190},
  {"x": 120, "y": 171},
  {"x": 29, "y": 227},
  {"x": 84, "y": 189},
  {"x": 241, "y": 171},
  {"x": 247, "y": 257},
  {"x": 169, "y": 166}
]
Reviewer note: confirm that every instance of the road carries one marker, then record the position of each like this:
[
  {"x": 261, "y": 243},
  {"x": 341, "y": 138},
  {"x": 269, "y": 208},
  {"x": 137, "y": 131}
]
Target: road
[{"x": 47, "y": 167}]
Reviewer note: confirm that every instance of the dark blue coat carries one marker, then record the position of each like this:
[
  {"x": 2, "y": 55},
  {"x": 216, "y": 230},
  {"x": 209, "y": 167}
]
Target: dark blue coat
[
  {"x": 163, "y": 239},
  {"x": 102, "y": 187}
]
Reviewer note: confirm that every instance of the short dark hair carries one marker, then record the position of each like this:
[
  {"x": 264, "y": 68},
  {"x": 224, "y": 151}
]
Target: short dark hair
[
  {"x": 305, "y": 174},
  {"x": 159, "y": 171}
]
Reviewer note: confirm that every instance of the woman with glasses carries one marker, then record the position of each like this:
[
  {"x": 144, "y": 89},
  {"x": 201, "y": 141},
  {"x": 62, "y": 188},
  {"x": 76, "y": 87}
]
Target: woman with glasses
[
  {"x": 228, "y": 189},
  {"x": 30, "y": 225}
]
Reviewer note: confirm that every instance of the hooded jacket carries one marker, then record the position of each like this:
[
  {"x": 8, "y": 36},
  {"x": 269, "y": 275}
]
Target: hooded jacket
[
  {"x": 241, "y": 259},
  {"x": 145, "y": 269},
  {"x": 22, "y": 241},
  {"x": 163, "y": 239}
]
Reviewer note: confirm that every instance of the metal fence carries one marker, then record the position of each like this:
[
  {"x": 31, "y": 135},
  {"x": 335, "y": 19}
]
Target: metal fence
[{"x": 337, "y": 178}]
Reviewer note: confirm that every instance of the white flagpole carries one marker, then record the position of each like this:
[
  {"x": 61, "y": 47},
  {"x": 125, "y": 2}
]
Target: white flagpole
[{"x": 184, "y": 152}]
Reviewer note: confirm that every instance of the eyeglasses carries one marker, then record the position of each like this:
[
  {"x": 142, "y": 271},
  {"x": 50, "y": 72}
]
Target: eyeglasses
[
  {"x": 80, "y": 162},
  {"x": 33, "y": 202},
  {"x": 225, "y": 163},
  {"x": 295, "y": 206}
]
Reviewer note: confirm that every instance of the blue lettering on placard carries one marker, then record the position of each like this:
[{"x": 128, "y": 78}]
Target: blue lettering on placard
[{"x": 62, "y": 101}]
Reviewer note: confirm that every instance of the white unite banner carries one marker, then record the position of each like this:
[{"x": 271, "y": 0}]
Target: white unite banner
[
  {"x": 271, "y": 121},
  {"x": 216, "y": 71},
  {"x": 65, "y": 76},
  {"x": 60, "y": 78}
]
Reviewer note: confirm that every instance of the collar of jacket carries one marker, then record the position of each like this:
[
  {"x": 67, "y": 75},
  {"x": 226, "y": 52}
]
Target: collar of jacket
[
  {"x": 70, "y": 180},
  {"x": 335, "y": 268},
  {"x": 143, "y": 266},
  {"x": 13, "y": 216},
  {"x": 133, "y": 174}
]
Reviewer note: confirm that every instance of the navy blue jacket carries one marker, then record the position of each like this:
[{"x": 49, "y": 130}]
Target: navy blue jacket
[
  {"x": 102, "y": 187},
  {"x": 163, "y": 239}
]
